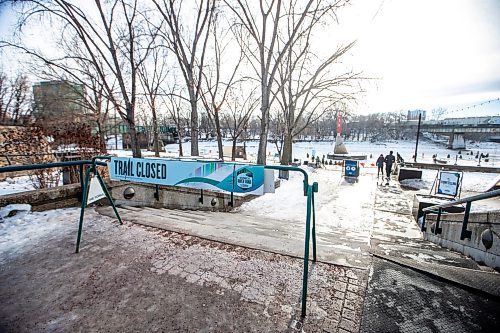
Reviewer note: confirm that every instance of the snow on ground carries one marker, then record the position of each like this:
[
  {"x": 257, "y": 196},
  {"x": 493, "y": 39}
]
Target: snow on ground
[
  {"x": 337, "y": 202},
  {"x": 405, "y": 148},
  {"x": 23, "y": 226},
  {"x": 287, "y": 203},
  {"x": 15, "y": 185},
  {"x": 471, "y": 182},
  {"x": 22, "y": 184}
]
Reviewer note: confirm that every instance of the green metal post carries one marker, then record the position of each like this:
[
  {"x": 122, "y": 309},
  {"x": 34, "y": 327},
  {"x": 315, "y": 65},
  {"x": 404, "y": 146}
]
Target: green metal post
[
  {"x": 466, "y": 233},
  {"x": 423, "y": 227},
  {"x": 82, "y": 211},
  {"x": 106, "y": 192},
  {"x": 81, "y": 168},
  {"x": 437, "y": 228},
  {"x": 314, "y": 226},
  {"x": 306, "y": 253}
]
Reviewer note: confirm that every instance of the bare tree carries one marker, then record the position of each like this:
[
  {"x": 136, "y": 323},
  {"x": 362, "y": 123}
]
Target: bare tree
[
  {"x": 189, "y": 50},
  {"x": 14, "y": 98},
  {"x": 216, "y": 89},
  {"x": 264, "y": 24},
  {"x": 152, "y": 75},
  {"x": 107, "y": 43},
  {"x": 307, "y": 91},
  {"x": 173, "y": 102},
  {"x": 20, "y": 88},
  {"x": 240, "y": 107},
  {"x": 84, "y": 89},
  {"x": 437, "y": 114},
  {"x": 5, "y": 96}
]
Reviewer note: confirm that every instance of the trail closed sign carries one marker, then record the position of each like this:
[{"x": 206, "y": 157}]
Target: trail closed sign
[{"x": 218, "y": 176}]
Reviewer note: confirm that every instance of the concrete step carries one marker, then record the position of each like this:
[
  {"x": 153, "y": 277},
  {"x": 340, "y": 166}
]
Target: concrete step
[{"x": 273, "y": 235}]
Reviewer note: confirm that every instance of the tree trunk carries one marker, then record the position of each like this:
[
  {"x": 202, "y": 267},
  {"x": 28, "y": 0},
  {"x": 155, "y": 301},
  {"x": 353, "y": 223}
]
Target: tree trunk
[
  {"x": 286, "y": 157},
  {"x": 194, "y": 126},
  {"x": 264, "y": 128},
  {"x": 102, "y": 138},
  {"x": 233, "y": 150},
  {"x": 134, "y": 144},
  {"x": 219, "y": 134},
  {"x": 156, "y": 139}
]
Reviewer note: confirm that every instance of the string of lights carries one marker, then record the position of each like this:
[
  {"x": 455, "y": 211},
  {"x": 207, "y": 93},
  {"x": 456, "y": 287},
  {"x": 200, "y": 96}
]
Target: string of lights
[{"x": 474, "y": 106}]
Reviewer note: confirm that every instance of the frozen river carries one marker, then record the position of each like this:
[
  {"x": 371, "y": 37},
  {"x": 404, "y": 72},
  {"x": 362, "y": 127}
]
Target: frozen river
[
  {"x": 405, "y": 148},
  {"x": 473, "y": 182}
]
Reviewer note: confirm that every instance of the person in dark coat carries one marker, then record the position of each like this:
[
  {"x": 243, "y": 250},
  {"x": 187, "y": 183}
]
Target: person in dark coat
[
  {"x": 380, "y": 165},
  {"x": 389, "y": 161}
]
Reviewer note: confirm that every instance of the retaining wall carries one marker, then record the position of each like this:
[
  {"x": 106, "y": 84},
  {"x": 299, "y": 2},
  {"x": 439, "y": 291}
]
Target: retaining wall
[
  {"x": 451, "y": 225},
  {"x": 169, "y": 197},
  {"x": 174, "y": 197}
]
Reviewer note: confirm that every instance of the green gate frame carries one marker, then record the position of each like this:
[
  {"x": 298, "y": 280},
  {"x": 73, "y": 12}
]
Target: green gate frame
[
  {"x": 91, "y": 168},
  {"x": 309, "y": 191}
]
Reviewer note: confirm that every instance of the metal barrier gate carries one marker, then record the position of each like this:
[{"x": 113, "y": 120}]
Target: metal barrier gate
[{"x": 88, "y": 167}]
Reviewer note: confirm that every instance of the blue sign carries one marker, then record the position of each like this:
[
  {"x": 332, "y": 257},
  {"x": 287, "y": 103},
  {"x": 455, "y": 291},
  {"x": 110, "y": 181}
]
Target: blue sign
[
  {"x": 351, "y": 168},
  {"x": 230, "y": 177}
]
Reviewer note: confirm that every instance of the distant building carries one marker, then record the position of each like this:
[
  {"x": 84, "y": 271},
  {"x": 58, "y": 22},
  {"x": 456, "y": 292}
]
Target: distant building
[
  {"x": 59, "y": 101},
  {"x": 413, "y": 115}
]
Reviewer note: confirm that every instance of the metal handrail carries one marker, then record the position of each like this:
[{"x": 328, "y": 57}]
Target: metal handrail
[
  {"x": 309, "y": 190},
  {"x": 12, "y": 168},
  {"x": 310, "y": 232},
  {"x": 481, "y": 196},
  {"x": 468, "y": 202}
]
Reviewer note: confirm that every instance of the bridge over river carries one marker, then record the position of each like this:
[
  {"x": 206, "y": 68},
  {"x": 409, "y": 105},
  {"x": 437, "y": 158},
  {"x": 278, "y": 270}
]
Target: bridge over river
[{"x": 457, "y": 132}]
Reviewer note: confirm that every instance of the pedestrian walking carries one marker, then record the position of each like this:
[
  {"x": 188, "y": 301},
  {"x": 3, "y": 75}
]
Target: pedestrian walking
[
  {"x": 380, "y": 166},
  {"x": 389, "y": 161}
]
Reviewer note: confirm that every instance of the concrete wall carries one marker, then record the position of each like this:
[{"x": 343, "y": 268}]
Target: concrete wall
[
  {"x": 169, "y": 197},
  {"x": 474, "y": 248},
  {"x": 174, "y": 197},
  {"x": 51, "y": 198}
]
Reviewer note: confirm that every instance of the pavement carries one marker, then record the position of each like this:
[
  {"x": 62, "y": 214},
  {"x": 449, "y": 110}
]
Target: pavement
[
  {"x": 179, "y": 271},
  {"x": 417, "y": 286},
  {"x": 343, "y": 224}
]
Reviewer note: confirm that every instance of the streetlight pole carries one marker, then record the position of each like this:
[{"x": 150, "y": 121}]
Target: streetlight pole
[{"x": 418, "y": 134}]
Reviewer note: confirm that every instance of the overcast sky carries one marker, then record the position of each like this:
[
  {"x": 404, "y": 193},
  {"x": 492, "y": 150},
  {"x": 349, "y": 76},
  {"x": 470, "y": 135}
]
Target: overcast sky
[
  {"x": 427, "y": 53},
  {"x": 424, "y": 54}
]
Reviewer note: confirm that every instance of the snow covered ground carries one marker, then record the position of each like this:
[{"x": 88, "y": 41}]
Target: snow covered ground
[
  {"x": 405, "y": 148},
  {"x": 473, "y": 182},
  {"x": 19, "y": 226},
  {"x": 23, "y": 183}
]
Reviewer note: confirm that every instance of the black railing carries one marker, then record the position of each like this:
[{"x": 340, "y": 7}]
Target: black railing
[{"x": 438, "y": 209}]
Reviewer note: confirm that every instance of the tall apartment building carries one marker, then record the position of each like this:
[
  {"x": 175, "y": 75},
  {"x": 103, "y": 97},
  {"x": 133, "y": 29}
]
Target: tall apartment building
[{"x": 59, "y": 101}]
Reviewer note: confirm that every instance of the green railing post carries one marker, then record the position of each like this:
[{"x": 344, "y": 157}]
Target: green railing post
[
  {"x": 314, "y": 225},
  {"x": 423, "y": 228},
  {"x": 81, "y": 169},
  {"x": 437, "y": 228},
  {"x": 306, "y": 252},
  {"x": 466, "y": 233},
  {"x": 309, "y": 191},
  {"x": 82, "y": 211}
]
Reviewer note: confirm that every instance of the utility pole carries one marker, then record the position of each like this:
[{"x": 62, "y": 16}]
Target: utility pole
[{"x": 418, "y": 134}]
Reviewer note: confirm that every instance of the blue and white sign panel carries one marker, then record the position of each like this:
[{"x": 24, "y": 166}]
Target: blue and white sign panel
[
  {"x": 218, "y": 176},
  {"x": 351, "y": 168},
  {"x": 448, "y": 183}
]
